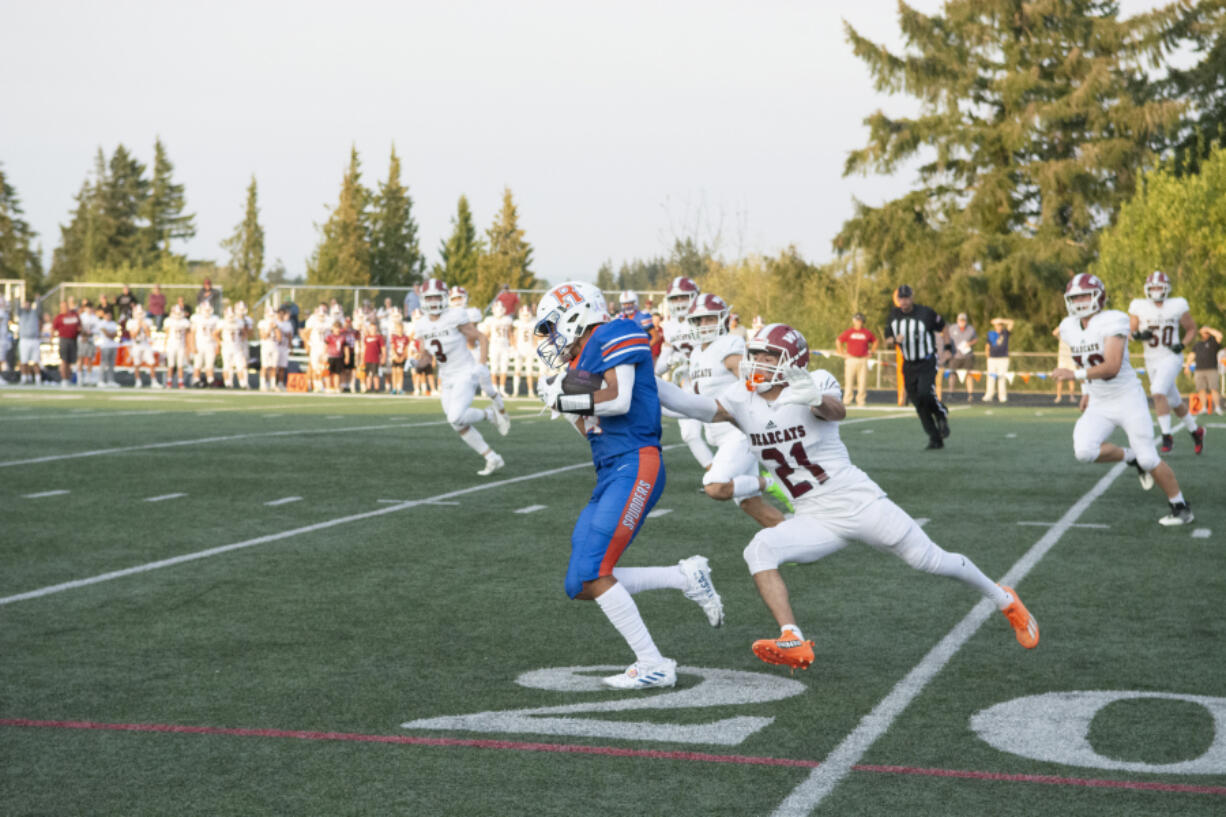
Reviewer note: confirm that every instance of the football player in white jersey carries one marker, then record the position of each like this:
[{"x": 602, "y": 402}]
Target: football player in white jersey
[
  {"x": 233, "y": 348},
  {"x": 204, "y": 336},
  {"x": 526, "y": 361},
  {"x": 498, "y": 328},
  {"x": 714, "y": 365},
  {"x": 315, "y": 330},
  {"x": 791, "y": 417},
  {"x": 485, "y": 381},
  {"x": 177, "y": 328},
  {"x": 1165, "y": 326},
  {"x": 268, "y": 331},
  {"x": 445, "y": 334},
  {"x": 1113, "y": 397},
  {"x": 675, "y": 354},
  {"x": 141, "y": 348}
]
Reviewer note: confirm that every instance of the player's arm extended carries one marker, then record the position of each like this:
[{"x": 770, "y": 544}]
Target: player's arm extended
[
  {"x": 614, "y": 396},
  {"x": 483, "y": 343},
  {"x": 688, "y": 404}
]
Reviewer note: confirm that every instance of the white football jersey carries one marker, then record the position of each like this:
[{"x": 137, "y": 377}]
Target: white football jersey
[
  {"x": 442, "y": 339},
  {"x": 204, "y": 328},
  {"x": 138, "y": 331},
  {"x": 525, "y": 334},
  {"x": 265, "y": 327},
  {"x": 231, "y": 331},
  {"x": 708, "y": 374},
  {"x": 176, "y": 331},
  {"x": 1161, "y": 319},
  {"x": 1087, "y": 343},
  {"x": 804, "y": 453},
  {"x": 498, "y": 330},
  {"x": 287, "y": 334},
  {"x": 677, "y": 335},
  {"x": 317, "y": 327}
]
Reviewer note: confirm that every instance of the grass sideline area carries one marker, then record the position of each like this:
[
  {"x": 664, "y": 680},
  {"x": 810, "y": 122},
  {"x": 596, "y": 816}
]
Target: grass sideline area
[{"x": 365, "y": 626}]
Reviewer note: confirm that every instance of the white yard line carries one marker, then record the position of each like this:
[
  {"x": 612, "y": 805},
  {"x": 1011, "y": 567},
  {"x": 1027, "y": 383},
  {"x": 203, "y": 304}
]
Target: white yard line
[
  {"x": 43, "y": 494},
  {"x": 164, "y": 497},
  {"x": 202, "y": 440},
  {"x": 658, "y": 512},
  {"x": 838, "y": 764},
  {"x": 530, "y": 509},
  {"x": 285, "y": 500},
  {"x": 1078, "y": 525},
  {"x": 80, "y": 415}
]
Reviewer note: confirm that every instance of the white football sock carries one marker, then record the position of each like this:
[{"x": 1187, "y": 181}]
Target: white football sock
[
  {"x": 638, "y": 579},
  {"x": 957, "y": 566},
  {"x": 1189, "y": 421},
  {"x": 784, "y": 628},
  {"x": 1177, "y": 498},
  {"x": 1164, "y": 423},
  {"x": 745, "y": 486},
  {"x": 623, "y": 614},
  {"x": 473, "y": 439}
]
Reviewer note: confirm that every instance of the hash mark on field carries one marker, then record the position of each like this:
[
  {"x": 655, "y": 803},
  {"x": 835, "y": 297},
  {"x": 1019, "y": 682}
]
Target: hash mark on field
[
  {"x": 42, "y": 494},
  {"x": 1201, "y": 533},
  {"x": 421, "y": 502},
  {"x": 1010, "y": 436},
  {"x": 1074, "y": 525},
  {"x": 530, "y": 509},
  {"x": 285, "y": 500},
  {"x": 867, "y": 431},
  {"x": 659, "y": 512},
  {"x": 163, "y": 497}
]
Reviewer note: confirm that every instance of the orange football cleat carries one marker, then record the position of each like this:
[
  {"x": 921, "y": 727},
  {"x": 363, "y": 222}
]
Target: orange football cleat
[
  {"x": 1024, "y": 625},
  {"x": 787, "y": 649}
]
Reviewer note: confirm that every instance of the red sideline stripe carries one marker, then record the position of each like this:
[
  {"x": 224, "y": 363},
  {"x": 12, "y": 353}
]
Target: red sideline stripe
[{"x": 701, "y": 757}]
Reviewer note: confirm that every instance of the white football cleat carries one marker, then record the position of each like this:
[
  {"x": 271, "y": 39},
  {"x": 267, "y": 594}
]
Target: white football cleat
[
  {"x": 644, "y": 676},
  {"x": 492, "y": 463},
  {"x": 699, "y": 589}
]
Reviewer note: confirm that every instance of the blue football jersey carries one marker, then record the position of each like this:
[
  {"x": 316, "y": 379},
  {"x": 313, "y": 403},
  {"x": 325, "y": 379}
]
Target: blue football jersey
[
  {"x": 618, "y": 343},
  {"x": 642, "y": 319}
]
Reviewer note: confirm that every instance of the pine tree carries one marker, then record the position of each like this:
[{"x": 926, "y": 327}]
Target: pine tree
[
  {"x": 459, "y": 251},
  {"x": 1201, "y": 27},
  {"x": 605, "y": 280},
  {"x": 395, "y": 255},
  {"x": 343, "y": 254},
  {"x": 1035, "y": 124},
  {"x": 507, "y": 258},
  {"x": 81, "y": 243},
  {"x": 122, "y": 200},
  {"x": 246, "y": 247},
  {"x": 163, "y": 207},
  {"x": 18, "y": 258}
]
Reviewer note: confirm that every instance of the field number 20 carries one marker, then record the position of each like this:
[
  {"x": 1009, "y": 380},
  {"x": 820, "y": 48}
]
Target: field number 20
[{"x": 718, "y": 687}]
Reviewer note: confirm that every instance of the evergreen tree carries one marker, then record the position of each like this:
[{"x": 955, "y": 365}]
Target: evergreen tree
[
  {"x": 163, "y": 207},
  {"x": 343, "y": 254},
  {"x": 1201, "y": 27},
  {"x": 1035, "y": 123},
  {"x": 18, "y": 258},
  {"x": 460, "y": 251},
  {"x": 246, "y": 248},
  {"x": 122, "y": 196},
  {"x": 605, "y": 280},
  {"x": 395, "y": 255},
  {"x": 81, "y": 243},
  {"x": 507, "y": 258}
]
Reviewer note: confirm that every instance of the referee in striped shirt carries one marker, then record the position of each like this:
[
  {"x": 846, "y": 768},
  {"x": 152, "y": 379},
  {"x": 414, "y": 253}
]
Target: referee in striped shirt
[{"x": 915, "y": 329}]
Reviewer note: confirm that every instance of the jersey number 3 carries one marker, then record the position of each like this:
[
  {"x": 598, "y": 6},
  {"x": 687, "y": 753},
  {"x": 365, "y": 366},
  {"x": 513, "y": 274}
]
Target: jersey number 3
[
  {"x": 788, "y": 467},
  {"x": 438, "y": 351}
]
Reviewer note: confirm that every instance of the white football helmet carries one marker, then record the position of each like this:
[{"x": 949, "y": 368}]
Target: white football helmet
[
  {"x": 705, "y": 306},
  {"x": 564, "y": 313},
  {"x": 779, "y": 339},
  {"x": 206, "y": 308},
  {"x": 680, "y": 296},
  {"x": 434, "y": 297},
  {"x": 1085, "y": 284},
  {"x": 498, "y": 309},
  {"x": 629, "y": 302},
  {"x": 1157, "y": 286},
  {"x": 459, "y": 296}
]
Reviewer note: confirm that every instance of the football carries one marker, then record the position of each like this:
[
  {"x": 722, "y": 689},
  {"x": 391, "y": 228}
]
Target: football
[{"x": 578, "y": 381}]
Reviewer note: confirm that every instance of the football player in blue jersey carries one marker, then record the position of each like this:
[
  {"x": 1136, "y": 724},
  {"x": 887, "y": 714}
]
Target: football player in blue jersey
[
  {"x": 604, "y": 384},
  {"x": 631, "y": 312}
]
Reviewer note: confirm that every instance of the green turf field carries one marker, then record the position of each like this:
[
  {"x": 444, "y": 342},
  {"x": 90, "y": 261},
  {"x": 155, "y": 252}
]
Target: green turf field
[{"x": 417, "y": 656}]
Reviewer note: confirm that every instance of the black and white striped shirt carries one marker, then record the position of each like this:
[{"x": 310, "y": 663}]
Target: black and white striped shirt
[{"x": 915, "y": 331}]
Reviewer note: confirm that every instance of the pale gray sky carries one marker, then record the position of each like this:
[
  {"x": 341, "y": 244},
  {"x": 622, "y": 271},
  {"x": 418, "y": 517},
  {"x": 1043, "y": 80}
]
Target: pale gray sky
[{"x": 617, "y": 126}]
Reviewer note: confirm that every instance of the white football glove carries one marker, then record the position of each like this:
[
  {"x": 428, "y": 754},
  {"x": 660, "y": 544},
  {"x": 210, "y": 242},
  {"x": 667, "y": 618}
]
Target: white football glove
[
  {"x": 801, "y": 389},
  {"x": 550, "y": 388},
  {"x": 483, "y": 372}
]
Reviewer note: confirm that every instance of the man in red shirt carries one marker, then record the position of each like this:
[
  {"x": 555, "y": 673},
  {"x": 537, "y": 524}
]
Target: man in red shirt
[
  {"x": 856, "y": 345},
  {"x": 67, "y": 326},
  {"x": 372, "y": 355},
  {"x": 334, "y": 345}
]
